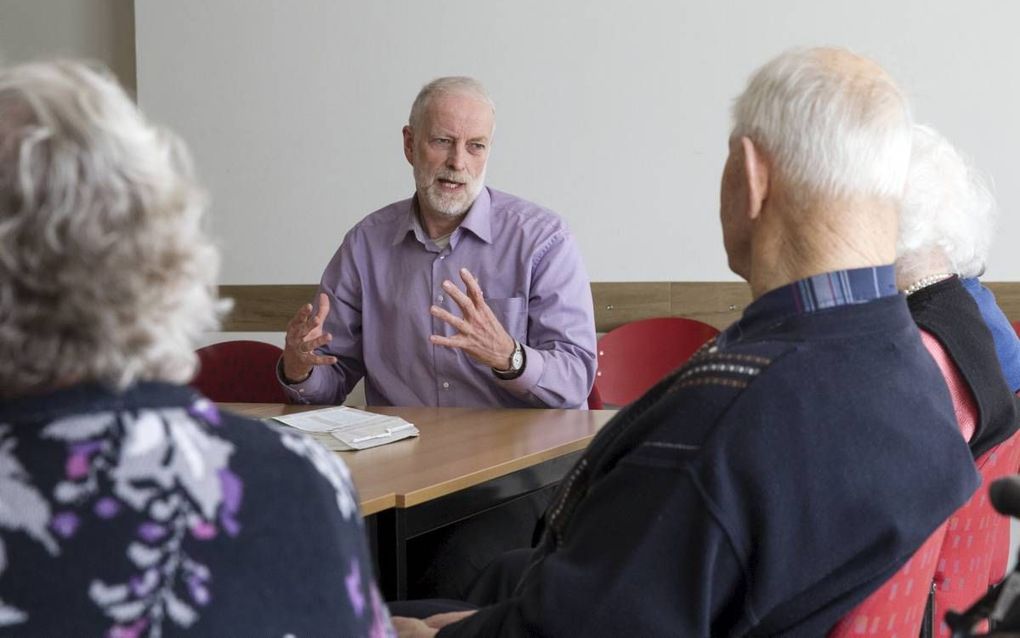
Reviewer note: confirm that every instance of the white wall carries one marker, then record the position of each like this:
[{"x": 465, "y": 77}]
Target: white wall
[
  {"x": 612, "y": 113},
  {"x": 100, "y": 30}
]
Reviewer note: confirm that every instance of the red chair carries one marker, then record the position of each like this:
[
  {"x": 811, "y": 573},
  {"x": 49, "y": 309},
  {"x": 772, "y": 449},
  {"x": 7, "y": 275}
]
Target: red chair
[
  {"x": 897, "y": 607},
  {"x": 239, "y": 372},
  {"x": 1016, "y": 326},
  {"x": 976, "y": 548},
  {"x": 595, "y": 399},
  {"x": 633, "y": 357}
]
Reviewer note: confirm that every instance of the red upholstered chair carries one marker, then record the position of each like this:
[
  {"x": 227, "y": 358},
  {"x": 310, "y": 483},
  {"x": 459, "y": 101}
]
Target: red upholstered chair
[
  {"x": 974, "y": 554},
  {"x": 897, "y": 607},
  {"x": 633, "y": 357},
  {"x": 595, "y": 399},
  {"x": 1016, "y": 326},
  {"x": 239, "y": 372}
]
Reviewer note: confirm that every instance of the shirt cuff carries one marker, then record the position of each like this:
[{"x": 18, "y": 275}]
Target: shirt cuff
[
  {"x": 534, "y": 366},
  {"x": 298, "y": 392}
]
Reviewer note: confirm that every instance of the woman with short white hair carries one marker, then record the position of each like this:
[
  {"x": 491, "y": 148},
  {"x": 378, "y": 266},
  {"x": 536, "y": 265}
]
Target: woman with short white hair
[
  {"x": 129, "y": 505},
  {"x": 947, "y": 226},
  {"x": 945, "y": 229}
]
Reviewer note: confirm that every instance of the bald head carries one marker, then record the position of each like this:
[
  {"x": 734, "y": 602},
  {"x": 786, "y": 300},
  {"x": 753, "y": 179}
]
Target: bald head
[{"x": 832, "y": 123}]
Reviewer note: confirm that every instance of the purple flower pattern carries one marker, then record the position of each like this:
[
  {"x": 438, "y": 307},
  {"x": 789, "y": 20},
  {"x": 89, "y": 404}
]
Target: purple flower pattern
[
  {"x": 339, "y": 476},
  {"x": 170, "y": 466},
  {"x": 148, "y": 457},
  {"x": 353, "y": 583},
  {"x": 31, "y": 515}
]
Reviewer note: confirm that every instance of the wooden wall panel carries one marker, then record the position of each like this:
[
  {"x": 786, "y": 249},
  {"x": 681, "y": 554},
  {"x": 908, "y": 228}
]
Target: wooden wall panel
[
  {"x": 618, "y": 303},
  {"x": 719, "y": 303},
  {"x": 264, "y": 308},
  {"x": 1008, "y": 295}
]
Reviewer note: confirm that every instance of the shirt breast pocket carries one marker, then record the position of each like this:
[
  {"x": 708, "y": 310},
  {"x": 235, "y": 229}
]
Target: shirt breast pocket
[{"x": 512, "y": 313}]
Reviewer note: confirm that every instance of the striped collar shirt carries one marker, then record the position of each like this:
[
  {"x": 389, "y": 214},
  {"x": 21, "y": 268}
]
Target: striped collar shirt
[{"x": 812, "y": 294}]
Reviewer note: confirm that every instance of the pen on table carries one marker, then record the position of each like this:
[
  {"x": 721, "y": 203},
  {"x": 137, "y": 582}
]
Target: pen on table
[{"x": 383, "y": 435}]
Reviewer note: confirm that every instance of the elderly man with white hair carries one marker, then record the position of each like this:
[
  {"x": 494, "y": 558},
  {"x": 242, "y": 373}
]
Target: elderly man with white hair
[
  {"x": 946, "y": 224},
  {"x": 129, "y": 505},
  {"x": 790, "y": 467},
  {"x": 521, "y": 333}
]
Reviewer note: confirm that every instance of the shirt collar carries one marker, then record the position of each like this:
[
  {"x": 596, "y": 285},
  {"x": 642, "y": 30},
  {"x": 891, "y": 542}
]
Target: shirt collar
[
  {"x": 811, "y": 294},
  {"x": 479, "y": 217},
  {"x": 478, "y": 220}
]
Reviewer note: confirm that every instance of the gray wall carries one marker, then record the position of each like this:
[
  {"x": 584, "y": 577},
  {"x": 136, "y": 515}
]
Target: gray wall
[
  {"x": 613, "y": 113},
  {"x": 101, "y": 30}
]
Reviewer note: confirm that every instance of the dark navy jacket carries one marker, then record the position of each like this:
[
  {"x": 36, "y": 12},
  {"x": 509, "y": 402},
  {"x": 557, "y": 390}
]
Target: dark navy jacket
[{"x": 765, "y": 488}]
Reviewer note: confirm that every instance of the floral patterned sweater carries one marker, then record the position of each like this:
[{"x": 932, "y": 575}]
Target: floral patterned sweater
[{"x": 150, "y": 513}]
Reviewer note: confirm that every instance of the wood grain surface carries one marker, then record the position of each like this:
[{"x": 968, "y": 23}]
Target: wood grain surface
[{"x": 457, "y": 448}]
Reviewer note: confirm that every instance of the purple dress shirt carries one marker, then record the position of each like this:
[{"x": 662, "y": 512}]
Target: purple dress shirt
[{"x": 387, "y": 273}]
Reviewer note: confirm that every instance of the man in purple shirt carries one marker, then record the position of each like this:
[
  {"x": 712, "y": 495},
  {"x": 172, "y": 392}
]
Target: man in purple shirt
[{"x": 520, "y": 334}]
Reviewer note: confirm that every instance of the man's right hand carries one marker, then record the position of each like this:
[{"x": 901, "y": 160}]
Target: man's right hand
[{"x": 304, "y": 335}]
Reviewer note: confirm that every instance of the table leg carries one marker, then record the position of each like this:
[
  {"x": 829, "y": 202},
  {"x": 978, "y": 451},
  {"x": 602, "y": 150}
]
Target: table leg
[{"x": 391, "y": 552}]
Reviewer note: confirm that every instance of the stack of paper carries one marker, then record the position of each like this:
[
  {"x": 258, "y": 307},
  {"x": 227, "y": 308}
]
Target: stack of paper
[{"x": 353, "y": 429}]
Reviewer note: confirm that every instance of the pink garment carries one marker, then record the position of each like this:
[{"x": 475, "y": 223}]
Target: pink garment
[
  {"x": 963, "y": 399},
  {"x": 975, "y": 548}
]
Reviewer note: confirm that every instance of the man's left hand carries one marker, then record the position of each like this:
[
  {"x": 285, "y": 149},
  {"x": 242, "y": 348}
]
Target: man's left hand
[
  {"x": 479, "y": 333},
  {"x": 414, "y": 628}
]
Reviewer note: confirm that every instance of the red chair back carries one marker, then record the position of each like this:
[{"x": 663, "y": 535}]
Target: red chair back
[
  {"x": 239, "y": 372},
  {"x": 976, "y": 548},
  {"x": 595, "y": 399},
  {"x": 897, "y": 607},
  {"x": 1016, "y": 326},
  {"x": 633, "y": 357}
]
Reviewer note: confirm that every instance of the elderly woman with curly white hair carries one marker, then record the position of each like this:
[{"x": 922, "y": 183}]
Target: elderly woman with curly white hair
[
  {"x": 945, "y": 230},
  {"x": 129, "y": 505}
]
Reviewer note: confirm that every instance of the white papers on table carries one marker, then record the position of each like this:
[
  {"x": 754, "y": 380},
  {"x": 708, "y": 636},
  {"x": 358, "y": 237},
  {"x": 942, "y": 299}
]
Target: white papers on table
[{"x": 354, "y": 429}]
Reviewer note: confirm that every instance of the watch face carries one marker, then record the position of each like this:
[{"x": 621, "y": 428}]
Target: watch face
[{"x": 517, "y": 361}]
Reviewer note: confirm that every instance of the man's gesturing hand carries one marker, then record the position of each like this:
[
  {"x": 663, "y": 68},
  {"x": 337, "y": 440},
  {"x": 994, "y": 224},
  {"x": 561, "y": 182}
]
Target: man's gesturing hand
[
  {"x": 304, "y": 335},
  {"x": 479, "y": 333}
]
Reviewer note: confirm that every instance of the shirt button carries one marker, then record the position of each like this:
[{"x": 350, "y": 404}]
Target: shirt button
[
  {"x": 442, "y": 256},
  {"x": 440, "y": 298},
  {"x": 446, "y": 384}
]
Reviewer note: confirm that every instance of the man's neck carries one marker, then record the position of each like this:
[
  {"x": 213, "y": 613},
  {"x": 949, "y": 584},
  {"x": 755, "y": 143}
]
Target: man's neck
[
  {"x": 825, "y": 238},
  {"x": 436, "y": 224},
  {"x": 918, "y": 266}
]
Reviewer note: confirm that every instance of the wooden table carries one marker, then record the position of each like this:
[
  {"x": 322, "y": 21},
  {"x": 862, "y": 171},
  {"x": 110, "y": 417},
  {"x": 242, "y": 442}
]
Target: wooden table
[{"x": 465, "y": 461}]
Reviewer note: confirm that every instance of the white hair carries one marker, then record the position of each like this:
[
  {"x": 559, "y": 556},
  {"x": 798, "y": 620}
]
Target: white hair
[
  {"x": 831, "y": 122},
  {"x": 106, "y": 274},
  {"x": 948, "y": 209},
  {"x": 456, "y": 85}
]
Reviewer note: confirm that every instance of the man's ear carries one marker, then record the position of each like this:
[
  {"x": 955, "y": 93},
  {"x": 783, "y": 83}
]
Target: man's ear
[
  {"x": 409, "y": 144},
  {"x": 756, "y": 175}
]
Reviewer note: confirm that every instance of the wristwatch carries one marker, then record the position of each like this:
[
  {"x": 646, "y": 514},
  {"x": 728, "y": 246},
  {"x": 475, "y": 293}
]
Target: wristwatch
[{"x": 516, "y": 364}]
